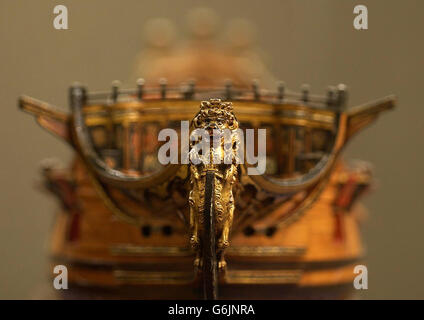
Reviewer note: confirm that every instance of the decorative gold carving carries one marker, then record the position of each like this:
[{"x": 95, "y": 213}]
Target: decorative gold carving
[
  {"x": 263, "y": 276},
  {"x": 262, "y": 251},
  {"x": 135, "y": 251},
  {"x": 257, "y": 251},
  {"x": 214, "y": 115},
  {"x": 147, "y": 277}
]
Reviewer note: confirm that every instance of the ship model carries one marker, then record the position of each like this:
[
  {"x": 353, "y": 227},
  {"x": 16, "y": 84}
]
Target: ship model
[{"x": 132, "y": 227}]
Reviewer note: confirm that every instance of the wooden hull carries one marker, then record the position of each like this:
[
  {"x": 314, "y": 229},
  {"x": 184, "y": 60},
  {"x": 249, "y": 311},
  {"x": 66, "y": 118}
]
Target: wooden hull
[{"x": 113, "y": 259}]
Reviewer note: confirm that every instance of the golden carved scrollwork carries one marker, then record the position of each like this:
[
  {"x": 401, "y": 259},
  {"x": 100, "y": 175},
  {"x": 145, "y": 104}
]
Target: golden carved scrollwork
[{"x": 214, "y": 116}]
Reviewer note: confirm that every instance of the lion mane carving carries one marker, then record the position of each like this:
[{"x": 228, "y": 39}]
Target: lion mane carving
[{"x": 214, "y": 116}]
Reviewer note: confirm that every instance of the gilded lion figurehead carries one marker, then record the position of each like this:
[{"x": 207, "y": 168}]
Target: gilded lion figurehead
[{"x": 215, "y": 114}]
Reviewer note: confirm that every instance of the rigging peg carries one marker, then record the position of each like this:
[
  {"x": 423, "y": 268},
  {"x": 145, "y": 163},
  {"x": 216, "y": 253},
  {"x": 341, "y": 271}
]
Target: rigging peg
[
  {"x": 341, "y": 96},
  {"x": 255, "y": 88},
  {"x": 305, "y": 88},
  {"x": 140, "y": 88},
  {"x": 115, "y": 90},
  {"x": 280, "y": 91},
  {"x": 330, "y": 96},
  {"x": 162, "y": 84},
  {"x": 228, "y": 89}
]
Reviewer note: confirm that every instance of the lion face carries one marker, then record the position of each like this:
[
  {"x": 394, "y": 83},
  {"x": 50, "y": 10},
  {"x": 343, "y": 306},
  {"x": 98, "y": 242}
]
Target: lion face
[
  {"x": 220, "y": 126},
  {"x": 215, "y": 115}
]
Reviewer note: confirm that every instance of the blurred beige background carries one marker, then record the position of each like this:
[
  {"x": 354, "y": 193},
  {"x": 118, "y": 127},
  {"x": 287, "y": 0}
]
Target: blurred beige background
[{"x": 309, "y": 41}]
